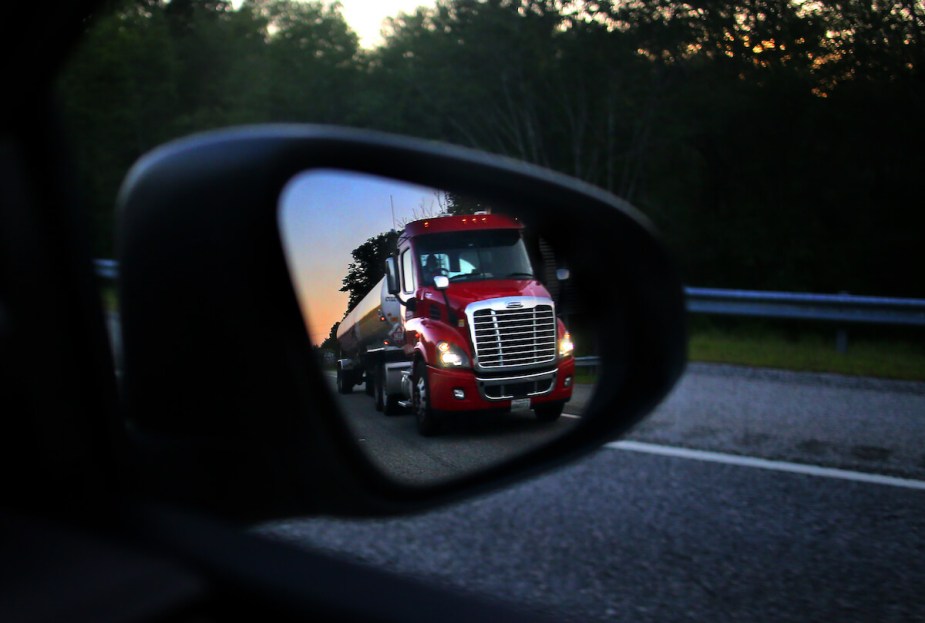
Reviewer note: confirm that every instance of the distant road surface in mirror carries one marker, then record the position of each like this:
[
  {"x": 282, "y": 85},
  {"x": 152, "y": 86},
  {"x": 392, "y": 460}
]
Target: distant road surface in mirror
[{"x": 469, "y": 442}]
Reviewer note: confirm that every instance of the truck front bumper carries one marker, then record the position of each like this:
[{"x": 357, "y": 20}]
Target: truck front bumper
[{"x": 463, "y": 390}]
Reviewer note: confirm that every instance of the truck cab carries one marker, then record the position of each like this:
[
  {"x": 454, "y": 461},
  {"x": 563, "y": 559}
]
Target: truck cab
[{"x": 479, "y": 330}]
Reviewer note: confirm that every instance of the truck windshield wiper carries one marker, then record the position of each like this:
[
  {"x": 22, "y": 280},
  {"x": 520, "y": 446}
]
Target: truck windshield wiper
[
  {"x": 527, "y": 275},
  {"x": 465, "y": 276}
]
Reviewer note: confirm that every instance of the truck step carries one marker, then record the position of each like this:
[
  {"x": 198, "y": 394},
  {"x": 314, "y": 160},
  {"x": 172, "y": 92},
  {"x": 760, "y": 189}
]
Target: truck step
[{"x": 405, "y": 404}]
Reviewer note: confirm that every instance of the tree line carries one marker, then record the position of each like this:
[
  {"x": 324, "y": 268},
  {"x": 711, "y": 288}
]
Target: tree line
[{"x": 775, "y": 144}]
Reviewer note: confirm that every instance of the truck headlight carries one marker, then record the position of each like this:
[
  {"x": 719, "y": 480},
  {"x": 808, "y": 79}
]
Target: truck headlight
[
  {"x": 451, "y": 356},
  {"x": 565, "y": 345}
]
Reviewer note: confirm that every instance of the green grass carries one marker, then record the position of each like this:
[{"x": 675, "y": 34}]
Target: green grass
[
  {"x": 584, "y": 377},
  {"x": 110, "y": 300},
  {"x": 890, "y": 356},
  {"x": 812, "y": 352}
]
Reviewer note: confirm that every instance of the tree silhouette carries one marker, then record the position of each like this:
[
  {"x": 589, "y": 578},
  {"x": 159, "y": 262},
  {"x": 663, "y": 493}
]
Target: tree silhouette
[{"x": 368, "y": 266}]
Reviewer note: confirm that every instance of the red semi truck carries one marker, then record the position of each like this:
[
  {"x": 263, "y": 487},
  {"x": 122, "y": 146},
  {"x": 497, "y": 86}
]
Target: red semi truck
[{"x": 460, "y": 322}]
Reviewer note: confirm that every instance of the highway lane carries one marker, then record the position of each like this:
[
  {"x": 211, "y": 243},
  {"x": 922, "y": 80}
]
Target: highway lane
[
  {"x": 467, "y": 443},
  {"x": 860, "y": 424},
  {"x": 856, "y": 423},
  {"x": 627, "y": 535}
]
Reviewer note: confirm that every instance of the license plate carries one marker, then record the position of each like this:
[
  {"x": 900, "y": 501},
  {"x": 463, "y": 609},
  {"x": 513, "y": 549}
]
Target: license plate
[{"x": 520, "y": 403}]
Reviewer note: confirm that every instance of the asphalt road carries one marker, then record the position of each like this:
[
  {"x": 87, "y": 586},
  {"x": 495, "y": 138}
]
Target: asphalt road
[
  {"x": 863, "y": 424},
  {"x": 630, "y": 535},
  {"x": 467, "y": 443}
]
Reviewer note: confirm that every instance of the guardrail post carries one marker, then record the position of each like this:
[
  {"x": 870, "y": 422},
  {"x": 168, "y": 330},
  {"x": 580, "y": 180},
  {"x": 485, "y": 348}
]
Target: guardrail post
[
  {"x": 841, "y": 336},
  {"x": 841, "y": 341}
]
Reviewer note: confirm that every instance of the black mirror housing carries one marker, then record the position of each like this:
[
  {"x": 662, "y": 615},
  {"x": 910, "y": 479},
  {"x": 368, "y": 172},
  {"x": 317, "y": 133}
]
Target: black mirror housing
[{"x": 227, "y": 410}]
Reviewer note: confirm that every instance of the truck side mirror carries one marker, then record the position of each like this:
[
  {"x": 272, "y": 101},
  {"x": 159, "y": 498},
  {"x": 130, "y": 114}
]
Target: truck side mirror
[
  {"x": 562, "y": 274},
  {"x": 391, "y": 275},
  {"x": 441, "y": 282}
]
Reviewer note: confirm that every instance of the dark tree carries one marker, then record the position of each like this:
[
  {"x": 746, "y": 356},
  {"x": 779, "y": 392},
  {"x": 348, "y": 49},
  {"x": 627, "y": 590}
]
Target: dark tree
[
  {"x": 368, "y": 266},
  {"x": 464, "y": 204},
  {"x": 330, "y": 342},
  {"x": 776, "y": 145}
]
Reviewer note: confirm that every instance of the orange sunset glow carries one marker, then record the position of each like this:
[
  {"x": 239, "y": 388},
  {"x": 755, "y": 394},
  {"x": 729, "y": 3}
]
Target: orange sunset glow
[{"x": 326, "y": 214}]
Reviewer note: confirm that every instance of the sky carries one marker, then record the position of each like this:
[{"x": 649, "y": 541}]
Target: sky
[
  {"x": 366, "y": 16},
  {"x": 324, "y": 215}
]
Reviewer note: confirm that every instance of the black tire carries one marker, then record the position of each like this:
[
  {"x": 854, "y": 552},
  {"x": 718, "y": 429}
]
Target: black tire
[
  {"x": 344, "y": 382},
  {"x": 370, "y": 382},
  {"x": 548, "y": 412},
  {"x": 391, "y": 406},
  {"x": 384, "y": 402},
  {"x": 427, "y": 420},
  {"x": 379, "y": 388}
]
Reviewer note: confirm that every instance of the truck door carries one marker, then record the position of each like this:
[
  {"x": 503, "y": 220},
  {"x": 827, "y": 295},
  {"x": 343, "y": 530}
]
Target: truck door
[{"x": 407, "y": 279}]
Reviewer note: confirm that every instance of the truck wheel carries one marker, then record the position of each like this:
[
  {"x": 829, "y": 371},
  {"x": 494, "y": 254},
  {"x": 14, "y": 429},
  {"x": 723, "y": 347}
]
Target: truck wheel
[
  {"x": 428, "y": 423},
  {"x": 379, "y": 388},
  {"x": 344, "y": 382},
  {"x": 384, "y": 402},
  {"x": 548, "y": 412},
  {"x": 369, "y": 388}
]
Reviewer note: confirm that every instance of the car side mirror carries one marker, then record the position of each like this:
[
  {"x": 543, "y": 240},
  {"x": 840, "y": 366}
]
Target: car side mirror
[{"x": 228, "y": 406}]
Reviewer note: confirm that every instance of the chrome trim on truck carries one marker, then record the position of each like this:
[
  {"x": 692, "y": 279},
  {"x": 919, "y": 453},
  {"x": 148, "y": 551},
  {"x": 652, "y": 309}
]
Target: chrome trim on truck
[
  {"x": 513, "y": 333},
  {"x": 509, "y": 387}
]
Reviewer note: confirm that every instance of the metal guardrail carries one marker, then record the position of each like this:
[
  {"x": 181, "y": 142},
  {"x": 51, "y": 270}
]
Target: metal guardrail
[
  {"x": 839, "y": 308},
  {"x": 842, "y": 309},
  {"x": 587, "y": 362},
  {"x": 108, "y": 269}
]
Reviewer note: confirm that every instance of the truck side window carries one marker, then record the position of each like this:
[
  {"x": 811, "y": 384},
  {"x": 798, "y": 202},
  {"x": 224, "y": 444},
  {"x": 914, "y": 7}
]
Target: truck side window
[{"x": 407, "y": 271}]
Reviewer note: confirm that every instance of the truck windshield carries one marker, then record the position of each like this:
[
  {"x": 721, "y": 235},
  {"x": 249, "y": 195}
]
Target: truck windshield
[{"x": 463, "y": 256}]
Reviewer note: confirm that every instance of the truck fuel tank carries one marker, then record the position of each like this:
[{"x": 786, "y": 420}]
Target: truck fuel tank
[{"x": 371, "y": 321}]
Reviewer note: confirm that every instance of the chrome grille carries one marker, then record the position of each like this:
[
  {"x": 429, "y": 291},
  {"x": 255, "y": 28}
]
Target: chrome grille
[
  {"x": 506, "y": 338},
  {"x": 523, "y": 389}
]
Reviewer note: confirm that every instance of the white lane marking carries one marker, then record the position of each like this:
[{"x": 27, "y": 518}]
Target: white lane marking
[
  {"x": 571, "y": 415},
  {"x": 781, "y": 466}
]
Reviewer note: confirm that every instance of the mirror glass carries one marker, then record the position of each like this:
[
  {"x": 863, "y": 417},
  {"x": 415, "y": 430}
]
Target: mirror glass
[{"x": 472, "y": 357}]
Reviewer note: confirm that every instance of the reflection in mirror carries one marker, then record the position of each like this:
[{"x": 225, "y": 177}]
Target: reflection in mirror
[{"x": 443, "y": 324}]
